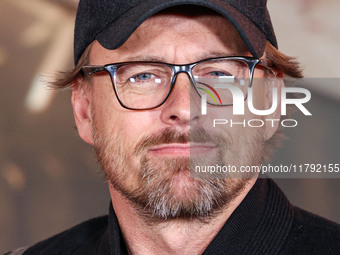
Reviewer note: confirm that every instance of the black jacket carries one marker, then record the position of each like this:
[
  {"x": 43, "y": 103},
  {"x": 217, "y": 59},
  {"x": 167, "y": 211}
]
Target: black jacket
[{"x": 264, "y": 223}]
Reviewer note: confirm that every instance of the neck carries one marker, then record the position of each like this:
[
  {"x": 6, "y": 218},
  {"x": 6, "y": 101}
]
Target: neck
[{"x": 169, "y": 237}]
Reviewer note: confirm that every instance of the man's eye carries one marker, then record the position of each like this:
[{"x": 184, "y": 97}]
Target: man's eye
[
  {"x": 143, "y": 76},
  {"x": 219, "y": 73}
]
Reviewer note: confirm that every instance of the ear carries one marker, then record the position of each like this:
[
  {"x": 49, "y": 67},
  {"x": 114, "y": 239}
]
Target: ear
[
  {"x": 278, "y": 83},
  {"x": 81, "y": 102}
]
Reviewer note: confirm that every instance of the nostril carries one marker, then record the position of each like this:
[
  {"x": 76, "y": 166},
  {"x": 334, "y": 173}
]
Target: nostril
[{"x": 173, "y": 117}]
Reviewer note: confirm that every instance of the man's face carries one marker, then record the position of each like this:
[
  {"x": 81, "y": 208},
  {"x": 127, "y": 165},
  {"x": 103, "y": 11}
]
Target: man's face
[{"x": 146, "y": 155}]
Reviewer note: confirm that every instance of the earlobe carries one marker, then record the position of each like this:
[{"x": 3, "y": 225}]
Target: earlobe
[
  {"x": 273, "y": 119},
  {"x": 82, "y": 113}
]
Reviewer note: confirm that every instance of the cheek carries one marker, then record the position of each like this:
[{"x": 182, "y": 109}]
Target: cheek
[
  {"x": 104, "y": 103},
  {"x": 135, "y": 125},
  {"x": 239, "y": 128},
  {"x": 258, "y": 94},
  {"x": 221, "y": 120},
  {"x": 111, "y": 118}
]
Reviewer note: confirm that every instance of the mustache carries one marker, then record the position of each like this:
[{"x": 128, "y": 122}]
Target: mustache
[{"x": 170, "y": 135}]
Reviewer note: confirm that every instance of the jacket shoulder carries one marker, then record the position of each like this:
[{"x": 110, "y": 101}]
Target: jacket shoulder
[
  {"x": 312, "y": 234},
  {"x": 67, "y": 242}
]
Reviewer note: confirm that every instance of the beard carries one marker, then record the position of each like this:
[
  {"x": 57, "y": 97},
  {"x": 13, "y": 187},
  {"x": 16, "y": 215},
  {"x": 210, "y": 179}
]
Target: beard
[{"x": 162, "y": 188}]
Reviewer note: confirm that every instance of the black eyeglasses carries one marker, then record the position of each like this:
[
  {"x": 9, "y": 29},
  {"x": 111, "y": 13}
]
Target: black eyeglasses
[{"x": 147, "y": 85}]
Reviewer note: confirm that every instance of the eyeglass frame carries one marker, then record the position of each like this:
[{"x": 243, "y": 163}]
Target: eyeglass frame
[{"x": 175, "y": 70}]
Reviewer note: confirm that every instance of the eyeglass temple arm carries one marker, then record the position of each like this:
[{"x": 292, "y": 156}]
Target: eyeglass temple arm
[
  {"x": 93, "y": 69},
  {"x": 264, "y": 63}
]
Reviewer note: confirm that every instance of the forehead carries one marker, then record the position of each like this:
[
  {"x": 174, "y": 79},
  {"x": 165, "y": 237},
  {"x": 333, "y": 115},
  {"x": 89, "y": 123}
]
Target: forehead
[{"x": 171, "y": 32}]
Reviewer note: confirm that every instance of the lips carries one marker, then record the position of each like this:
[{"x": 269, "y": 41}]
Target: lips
[{"x": 185, "y": 150}]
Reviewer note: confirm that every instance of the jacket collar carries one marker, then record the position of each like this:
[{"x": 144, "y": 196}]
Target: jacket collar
[{"x": 259, "y": 225}]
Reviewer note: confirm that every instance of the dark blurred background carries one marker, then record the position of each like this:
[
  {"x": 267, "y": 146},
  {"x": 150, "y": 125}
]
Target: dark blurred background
[{"x": 49, "y": 180}]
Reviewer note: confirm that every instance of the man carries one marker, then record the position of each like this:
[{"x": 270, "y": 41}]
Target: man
[{"x": 143, "y": 68}]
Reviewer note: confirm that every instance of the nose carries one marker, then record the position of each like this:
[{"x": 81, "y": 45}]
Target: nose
[{"x": 178, "y": 110}]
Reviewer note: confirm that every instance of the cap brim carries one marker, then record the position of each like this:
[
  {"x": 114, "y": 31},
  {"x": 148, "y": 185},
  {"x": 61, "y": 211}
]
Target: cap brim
[{"x": 124, "y": 26}]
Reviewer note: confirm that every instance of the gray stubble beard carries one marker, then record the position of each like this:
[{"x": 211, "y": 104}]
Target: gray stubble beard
[{"x": 155, "y": 193}]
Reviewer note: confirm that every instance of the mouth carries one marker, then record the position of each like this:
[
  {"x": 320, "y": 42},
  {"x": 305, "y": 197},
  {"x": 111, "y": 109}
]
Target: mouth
[{"x": 179, "y": 149}]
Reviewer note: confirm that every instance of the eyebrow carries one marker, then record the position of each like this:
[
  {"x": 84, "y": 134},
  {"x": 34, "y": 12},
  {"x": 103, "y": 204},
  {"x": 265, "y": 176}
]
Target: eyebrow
[{"x": 199, "y": 57}]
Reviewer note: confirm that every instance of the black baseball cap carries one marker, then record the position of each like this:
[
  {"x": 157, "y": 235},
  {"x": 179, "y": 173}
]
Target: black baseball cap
[{"x": 111, "y": 22}]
